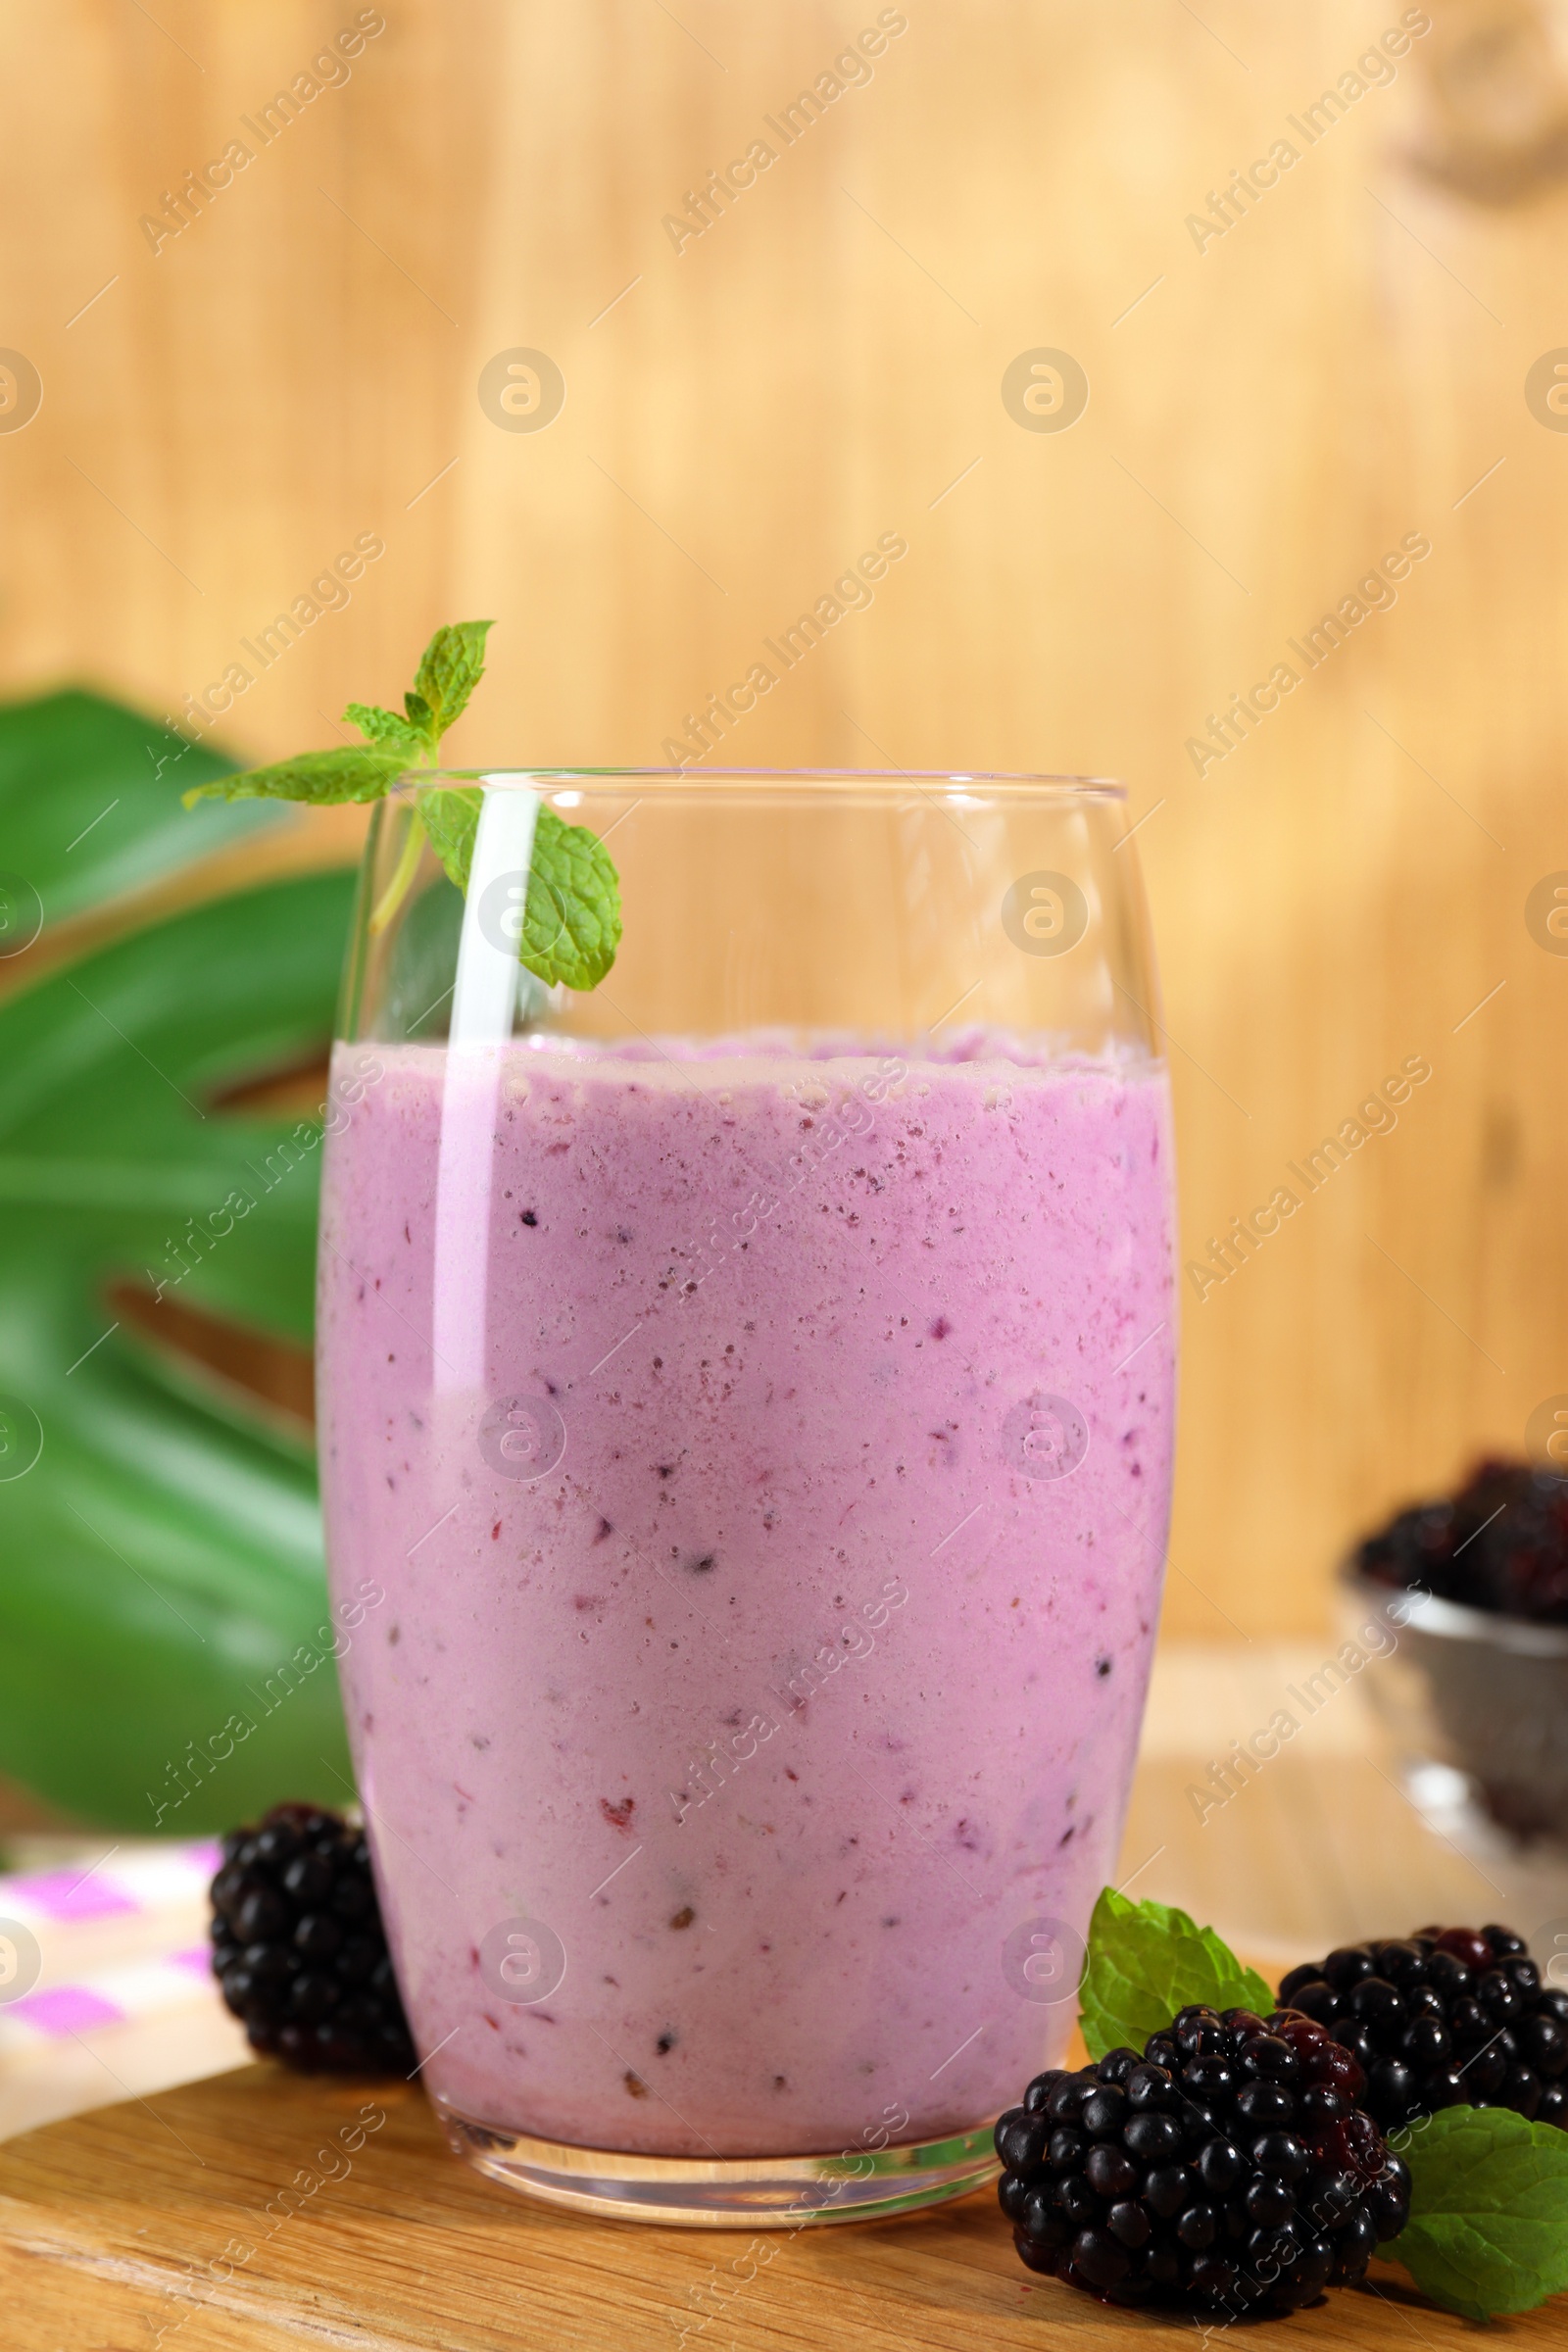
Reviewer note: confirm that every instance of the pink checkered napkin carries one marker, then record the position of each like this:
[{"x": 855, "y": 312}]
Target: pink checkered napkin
[
  {"x": 133, "y": 1884},
  {"x": 118, "y": 1996}
]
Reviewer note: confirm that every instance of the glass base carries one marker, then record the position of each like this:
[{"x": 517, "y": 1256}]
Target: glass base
[{"x": 742, "y": 2193}]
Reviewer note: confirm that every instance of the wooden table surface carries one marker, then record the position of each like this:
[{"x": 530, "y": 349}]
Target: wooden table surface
[
  {"x": 120, "y": 2231},
  {"x": 111, "y": 2223}
]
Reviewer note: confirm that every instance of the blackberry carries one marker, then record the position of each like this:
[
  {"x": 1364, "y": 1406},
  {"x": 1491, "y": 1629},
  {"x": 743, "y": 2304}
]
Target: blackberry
[
  {"x": 298, "y": 1946},
  {"x": 1449, "y": 2017},
  {"x": 1500, "y": 1543},
  {"x": 1227, "y": 2169}
]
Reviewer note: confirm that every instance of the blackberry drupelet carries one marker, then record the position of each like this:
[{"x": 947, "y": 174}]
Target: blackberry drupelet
[
  {"x": 1449, "y": 2017},
  {"x": 1227, "y": 2169},
  {"x": 298, "y": 1948}
]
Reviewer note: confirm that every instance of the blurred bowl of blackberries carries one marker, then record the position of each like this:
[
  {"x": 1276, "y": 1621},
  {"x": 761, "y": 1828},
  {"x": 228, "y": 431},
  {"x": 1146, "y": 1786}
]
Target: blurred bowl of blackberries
[{"x": 1472, "y": 1592}]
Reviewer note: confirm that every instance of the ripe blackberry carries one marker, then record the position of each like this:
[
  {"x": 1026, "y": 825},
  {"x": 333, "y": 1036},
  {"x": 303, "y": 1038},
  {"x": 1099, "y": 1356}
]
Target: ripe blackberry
[
  {"x": 298, "y": 1948},
  {"x": 1500, "y": 1543},
  {"x": 1228, "y": 2167},
  {"x": 1449, "y": 2017}
]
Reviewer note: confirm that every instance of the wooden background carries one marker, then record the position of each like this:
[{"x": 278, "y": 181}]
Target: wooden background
[{"x": 300, "y": 365}]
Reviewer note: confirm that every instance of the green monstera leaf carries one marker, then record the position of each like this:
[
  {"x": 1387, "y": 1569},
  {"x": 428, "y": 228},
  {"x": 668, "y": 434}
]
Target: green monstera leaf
[{"x": 163, "y": 1659}]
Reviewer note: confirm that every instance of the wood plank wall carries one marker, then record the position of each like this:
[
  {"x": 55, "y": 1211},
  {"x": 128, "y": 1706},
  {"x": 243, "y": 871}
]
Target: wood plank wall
[{"x": 1270, "y": 411}]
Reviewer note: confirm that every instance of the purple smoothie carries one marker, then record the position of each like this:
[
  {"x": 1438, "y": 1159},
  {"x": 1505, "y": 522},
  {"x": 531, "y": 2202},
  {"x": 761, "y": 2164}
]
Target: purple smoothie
[{"x": 783, "y": 1650}]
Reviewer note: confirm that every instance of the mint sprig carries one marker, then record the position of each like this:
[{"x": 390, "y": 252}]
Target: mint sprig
[
  {"x": 1489, "y": 2211},
  {"x": 1145, "y": 1962},
  {"x": 571, "y": 920}
]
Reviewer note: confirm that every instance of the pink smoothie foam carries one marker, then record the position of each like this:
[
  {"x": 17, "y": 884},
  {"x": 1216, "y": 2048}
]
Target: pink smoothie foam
[{"x": 781, "y": 1652}]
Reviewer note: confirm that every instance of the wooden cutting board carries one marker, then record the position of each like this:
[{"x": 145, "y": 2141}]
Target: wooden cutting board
[{"x": 148, "y": 2224}]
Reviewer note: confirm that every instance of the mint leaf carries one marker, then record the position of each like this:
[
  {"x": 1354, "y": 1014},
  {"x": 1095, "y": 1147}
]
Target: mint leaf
[
  {"x": 571, "y": 922},
  {"x": 387, "y": 728},
  {"x": 1489, "y": 2211},
  {"x": 1145, "y": 1963},
  {"x": 355, "y": 773},
  {"x": 452, "y": 667},
  {"x": 451, "y": 818}
]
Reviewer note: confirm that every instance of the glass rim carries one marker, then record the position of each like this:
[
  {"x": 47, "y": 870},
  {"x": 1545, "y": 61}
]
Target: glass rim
[{"x": 876, "y": 784}]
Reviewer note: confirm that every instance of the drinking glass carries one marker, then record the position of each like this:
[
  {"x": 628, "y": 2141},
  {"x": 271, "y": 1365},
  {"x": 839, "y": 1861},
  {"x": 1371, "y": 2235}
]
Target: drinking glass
[{"x": 749, "y": 1386}]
